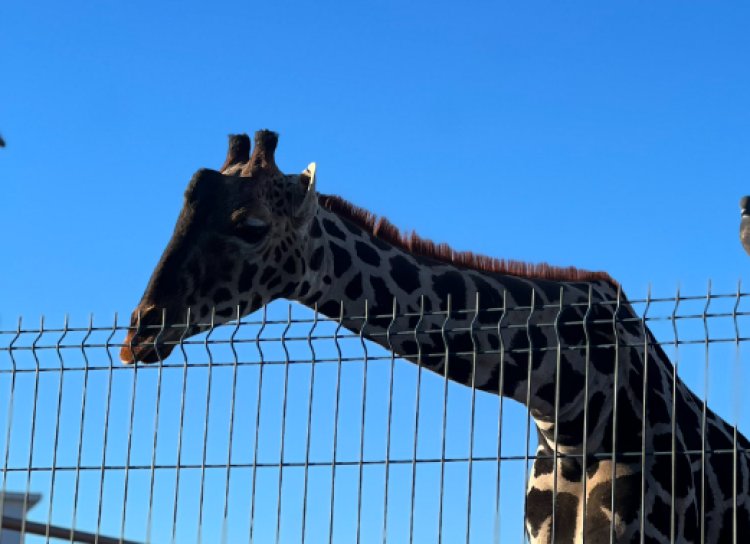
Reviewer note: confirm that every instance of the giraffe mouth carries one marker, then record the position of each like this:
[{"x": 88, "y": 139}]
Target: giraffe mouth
[
  {"x": 145, "y": 349},
  {"x": 152, "y": 335}
]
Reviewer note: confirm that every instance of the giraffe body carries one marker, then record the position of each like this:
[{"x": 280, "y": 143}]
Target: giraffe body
[{"x": 570, "y": 348}]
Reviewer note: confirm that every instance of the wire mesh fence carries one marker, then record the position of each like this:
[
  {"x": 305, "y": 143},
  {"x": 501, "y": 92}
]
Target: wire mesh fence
[{"x": 289, "y": 426}]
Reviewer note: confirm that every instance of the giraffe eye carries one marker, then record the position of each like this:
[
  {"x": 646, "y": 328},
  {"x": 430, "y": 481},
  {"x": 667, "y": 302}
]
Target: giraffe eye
[{"x": 252, "y": 230}]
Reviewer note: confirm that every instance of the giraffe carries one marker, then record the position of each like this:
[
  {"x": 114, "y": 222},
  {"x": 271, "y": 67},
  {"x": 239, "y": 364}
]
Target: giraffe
[{"x": 612, "y": 463}]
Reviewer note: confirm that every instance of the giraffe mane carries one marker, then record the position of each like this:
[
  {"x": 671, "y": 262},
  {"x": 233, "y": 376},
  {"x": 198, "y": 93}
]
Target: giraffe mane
[{"x": 383, "y": 229}]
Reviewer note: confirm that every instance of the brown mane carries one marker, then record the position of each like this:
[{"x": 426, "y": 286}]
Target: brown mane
[{"x": 383, "y": 229}]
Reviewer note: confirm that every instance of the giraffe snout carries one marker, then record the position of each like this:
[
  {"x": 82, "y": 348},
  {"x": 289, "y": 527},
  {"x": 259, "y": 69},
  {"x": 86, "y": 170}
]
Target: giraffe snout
[{"x": 149, "y": 339}]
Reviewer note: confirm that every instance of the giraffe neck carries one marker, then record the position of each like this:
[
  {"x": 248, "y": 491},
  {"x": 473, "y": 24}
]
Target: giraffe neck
[
  {"x": 502, "y": 329},
  {"x": 573, "y": 353}
]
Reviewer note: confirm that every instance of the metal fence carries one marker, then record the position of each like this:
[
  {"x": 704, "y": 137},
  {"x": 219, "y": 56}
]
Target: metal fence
[{"x": 286, "y": 427}]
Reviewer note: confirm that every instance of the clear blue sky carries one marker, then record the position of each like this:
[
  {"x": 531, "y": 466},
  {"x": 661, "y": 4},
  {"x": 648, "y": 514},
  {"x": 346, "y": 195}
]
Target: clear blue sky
[{"x": 610, "y": 136}]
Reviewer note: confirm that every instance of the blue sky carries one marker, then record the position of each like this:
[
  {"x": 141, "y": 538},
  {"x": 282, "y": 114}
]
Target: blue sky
[{"x": 609, "y": 136}]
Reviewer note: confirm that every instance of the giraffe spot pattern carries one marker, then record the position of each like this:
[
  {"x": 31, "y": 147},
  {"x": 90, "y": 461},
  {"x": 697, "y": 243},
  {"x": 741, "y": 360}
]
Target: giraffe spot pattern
[
  {"x": 409, "y": 348},
  {"x": 226, "y": 312},
  {"x": 267, "y": 274},
  {"x": 490, "y": 297},
  {"x": 333, "y": 229},
  {"x": 222, "y": 295},
  {"x": 288, "y": 289},
  {"x": 571, "y": 385},
  {"x": 383, "y": 302},
  {"x": 304, "y": 288},
  {"x": 405, "y": 274},
  {"x": 353, "y": 289},
  {"x": 458, "y": 370},
  {"x": 315, "y": 230},
  {"x": 367, "y": 253},
  {"x": 536, "y": 513},
  {"x": 451, "y": 284},
  {"x": 341, "y": 260},
  {"x": 247, "y": 276},
  {"x": 316, "y": 259},
  {"x": 330, "y": 308},
  {"x": 289, "y": 266},
  {"x": 314, "y": 298},
  {"x": 539, "y": 513}
]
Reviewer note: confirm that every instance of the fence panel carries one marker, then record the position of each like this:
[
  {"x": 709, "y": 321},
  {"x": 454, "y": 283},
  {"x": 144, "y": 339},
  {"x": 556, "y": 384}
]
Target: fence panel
[{"x": 287, "y": 426}]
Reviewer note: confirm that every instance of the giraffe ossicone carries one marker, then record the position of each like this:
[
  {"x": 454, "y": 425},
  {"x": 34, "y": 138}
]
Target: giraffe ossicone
[{"x": 564, "y": 342}]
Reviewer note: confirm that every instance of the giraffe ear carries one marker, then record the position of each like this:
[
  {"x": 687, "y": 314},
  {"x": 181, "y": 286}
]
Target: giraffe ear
[{"x": 309, "y": 204}]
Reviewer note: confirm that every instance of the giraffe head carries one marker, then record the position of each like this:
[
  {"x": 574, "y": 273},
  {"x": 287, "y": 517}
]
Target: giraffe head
[{"x": 238, "y": 244}]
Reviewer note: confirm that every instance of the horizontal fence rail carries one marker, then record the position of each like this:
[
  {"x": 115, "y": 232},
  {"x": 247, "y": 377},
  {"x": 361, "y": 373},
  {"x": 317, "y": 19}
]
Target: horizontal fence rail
[{"x": 291, "y": 426}]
